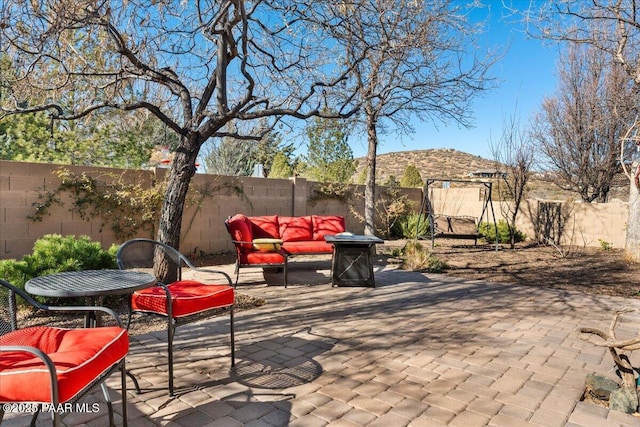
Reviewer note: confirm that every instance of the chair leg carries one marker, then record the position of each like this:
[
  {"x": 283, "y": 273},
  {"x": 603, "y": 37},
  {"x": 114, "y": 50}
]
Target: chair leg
[
  {"x": 170, "y": 332},
  {"x": 107, "y": 398},
  {"x": 123, "y": 381},
  {"x": 136, "y": 385},
  {"x": 34, "y": 417},
  {"x": 285, "y": 273},
  {"x": 55, "y": 419},
  {"x": 237, "y": 272},
  {"x": 233, "y": 340}
]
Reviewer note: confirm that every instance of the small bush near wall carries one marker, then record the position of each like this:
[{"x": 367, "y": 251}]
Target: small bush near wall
[
  {"x": 14, "y": 272},
  {"x": 488, "y": 232},
  {"x": 411, "y": 226},
  {"x": 54, "y": 253}
]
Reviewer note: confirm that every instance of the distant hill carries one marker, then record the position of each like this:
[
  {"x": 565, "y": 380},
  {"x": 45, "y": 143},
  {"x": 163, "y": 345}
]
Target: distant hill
[
  {"x": 432, "y": 163},
  {"x": 449, "y": 163}
]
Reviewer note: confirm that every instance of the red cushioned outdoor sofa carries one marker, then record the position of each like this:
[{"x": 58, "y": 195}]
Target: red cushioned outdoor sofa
[{"x": 268, "y": 241}]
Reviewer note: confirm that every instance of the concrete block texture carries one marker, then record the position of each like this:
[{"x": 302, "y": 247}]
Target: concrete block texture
[{"x": 22, "y": 184}]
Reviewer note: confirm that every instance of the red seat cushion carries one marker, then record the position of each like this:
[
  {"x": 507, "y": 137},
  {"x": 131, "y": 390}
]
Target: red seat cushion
[
  {"x": 295, "y": 228},
  {"x": 261, "y": 258},
  {"x": 187, "y": 297},
  {"x": 324, "y": 225},
  {"x": 310, "y": 247},
  {"x": 240, "y": 230},
  {"x": 80, "y": 355}
]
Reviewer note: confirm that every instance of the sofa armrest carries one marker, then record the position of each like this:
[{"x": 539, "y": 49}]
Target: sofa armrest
[{"x": 243, "y": 246}]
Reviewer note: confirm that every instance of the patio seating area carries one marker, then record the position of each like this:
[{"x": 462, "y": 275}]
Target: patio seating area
[{"x": 417, "y": 350}]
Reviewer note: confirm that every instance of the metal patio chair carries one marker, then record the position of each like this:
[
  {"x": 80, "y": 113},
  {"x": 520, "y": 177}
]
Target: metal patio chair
[
  {"x": 180, "y": 301},
  {"x": 42, "y": 367}
]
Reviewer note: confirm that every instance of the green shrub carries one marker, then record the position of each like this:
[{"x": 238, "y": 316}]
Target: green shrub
[
  {"x": 488, "y": 232},
  {"x": 407, "y": 225},
  {"x": 604, "y": 245},
  {"x": 14, "y": 272},
  {"x": 411, "y": 177},
  {"x": 53, "y": 254}
]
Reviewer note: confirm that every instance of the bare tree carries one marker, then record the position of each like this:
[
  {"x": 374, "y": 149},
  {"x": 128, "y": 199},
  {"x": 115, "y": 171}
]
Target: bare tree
[
  {"x": 578, "y": 130},
  {"x": 612, "y": 27},
  {"x": 514, "y": 156},
  {"x": 197, "y": 66},
  {"x": 410, "y": 59},
  {"x": 226, "y": 156}
]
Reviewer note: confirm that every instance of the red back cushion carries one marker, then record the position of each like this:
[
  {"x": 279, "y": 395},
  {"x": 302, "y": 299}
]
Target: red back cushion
[
  {"x": 327, "y": 225},
  {"x": 295, "y": 228},
  {"x": 265, "y": 227},
  {"x": 240, "y": 229}
]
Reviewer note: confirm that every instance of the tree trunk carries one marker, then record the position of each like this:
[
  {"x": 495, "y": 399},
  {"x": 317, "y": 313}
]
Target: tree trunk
[
  {"x": 370, "y": 185},
  {"x": 182, "y": 171},
  {"x": 632, "y": 243}
]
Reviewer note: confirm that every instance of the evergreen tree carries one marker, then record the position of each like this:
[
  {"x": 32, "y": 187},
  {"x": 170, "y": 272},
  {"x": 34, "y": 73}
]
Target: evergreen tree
[
  {"x": 411, "y": 177},
  {"x": 280, "y": 168},
  {"x": 329, "y": 156},
  {"x": 232, "y": 157},
  {"x": 268, "y": 148},
  {"x": 25, "y": 137},
  {"x": 29, "y": 138}
]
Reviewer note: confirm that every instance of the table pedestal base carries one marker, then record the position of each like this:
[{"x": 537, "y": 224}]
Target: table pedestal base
[{"x": 352, "y": 265}]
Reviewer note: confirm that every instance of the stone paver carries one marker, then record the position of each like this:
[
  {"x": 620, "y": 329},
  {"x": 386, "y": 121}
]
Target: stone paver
[{"x": 417, "y": 350}]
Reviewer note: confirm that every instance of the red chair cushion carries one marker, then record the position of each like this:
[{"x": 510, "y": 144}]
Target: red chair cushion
[
  {"x": 310, "y": 247},
  {"x": 324, "y": 225},
  {"x": 80, "y": 356},
  {"x": 295, "y": 228},
  {"x": 240, "y": 230},
  {"x": 261, "y": 258},
  {"x": 265, "y": 227},
  {"x": 187, "y": 297}
]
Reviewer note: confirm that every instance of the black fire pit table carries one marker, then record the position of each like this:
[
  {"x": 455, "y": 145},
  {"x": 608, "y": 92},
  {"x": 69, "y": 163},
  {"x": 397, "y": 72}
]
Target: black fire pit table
[{"x": 352, "y": 262}]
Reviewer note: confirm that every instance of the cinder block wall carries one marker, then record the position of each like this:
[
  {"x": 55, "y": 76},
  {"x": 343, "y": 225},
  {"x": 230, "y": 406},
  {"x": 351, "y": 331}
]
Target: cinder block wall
[{"x": 203, "y": 229}]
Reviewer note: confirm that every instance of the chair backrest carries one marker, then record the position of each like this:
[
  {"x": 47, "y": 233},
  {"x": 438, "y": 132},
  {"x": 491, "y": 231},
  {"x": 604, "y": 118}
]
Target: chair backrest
[
  {"x": 148, "y": 255},
  {"x": 8, "y": 308}
]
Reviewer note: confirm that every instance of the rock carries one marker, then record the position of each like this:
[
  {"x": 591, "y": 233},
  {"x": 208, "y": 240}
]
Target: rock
[
  {"x": 625, "y": 399},
  {"x": 600, "y": 387}
]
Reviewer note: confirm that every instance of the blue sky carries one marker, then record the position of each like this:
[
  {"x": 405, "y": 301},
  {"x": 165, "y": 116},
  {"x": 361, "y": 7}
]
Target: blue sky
[{"x": 526, "y": 74}]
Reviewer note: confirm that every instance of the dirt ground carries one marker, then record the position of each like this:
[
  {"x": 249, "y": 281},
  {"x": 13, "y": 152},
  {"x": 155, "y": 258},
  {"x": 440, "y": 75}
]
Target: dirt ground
[{"x": 589, "y": 270}]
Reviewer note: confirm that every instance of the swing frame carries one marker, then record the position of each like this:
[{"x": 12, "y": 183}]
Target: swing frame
[{"x": 426, "y": 208}]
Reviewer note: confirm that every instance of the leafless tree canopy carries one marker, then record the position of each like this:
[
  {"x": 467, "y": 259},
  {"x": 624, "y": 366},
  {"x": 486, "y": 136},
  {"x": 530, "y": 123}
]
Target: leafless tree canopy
[
  {"x": 514, "y": 156},
  {"x": 410, "y": 59},
  {"x": 580, "y": 128},
  {"x": 200, "y": 65},
  {"x": 413, "y": 59},
  {"x": 196, "y": 65},
  {"x": 613, "y": 27}
]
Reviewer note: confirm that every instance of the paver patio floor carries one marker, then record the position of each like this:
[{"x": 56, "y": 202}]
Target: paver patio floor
[{"x": 417, "y": 350}]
